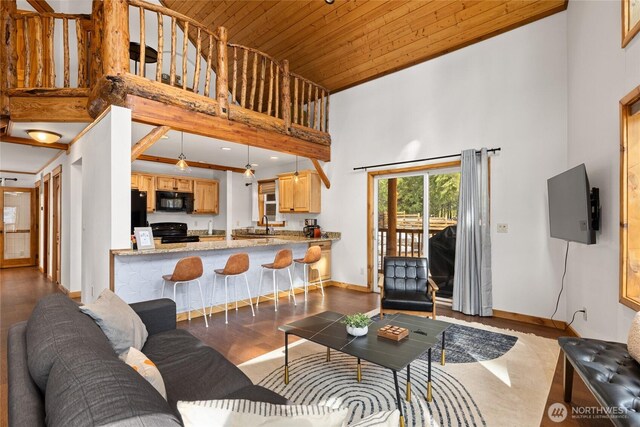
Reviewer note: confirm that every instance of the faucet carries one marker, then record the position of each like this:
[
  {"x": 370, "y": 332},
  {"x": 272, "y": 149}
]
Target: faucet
[{"x": 266, "y": 221}]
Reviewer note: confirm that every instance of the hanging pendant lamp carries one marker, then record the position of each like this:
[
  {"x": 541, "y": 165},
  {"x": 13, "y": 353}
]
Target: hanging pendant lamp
[
  {"x": 248, "y": 173},
  {"x": 182, "y": 164},
  {"x": 296, "y": 175}
]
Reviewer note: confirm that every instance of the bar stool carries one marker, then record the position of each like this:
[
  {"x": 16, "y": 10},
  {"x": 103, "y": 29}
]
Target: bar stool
[
  {"x": 187, "y": 270},
  {"x": 282, "y": 260},
  {"x": 237, "y": 265},
  {"x": 312, "y": 256}
]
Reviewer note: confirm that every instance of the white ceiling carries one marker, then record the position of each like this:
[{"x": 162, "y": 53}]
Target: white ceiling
[
  {"x": 24, "y": 158},
  {"x": 209, "y": 150}
]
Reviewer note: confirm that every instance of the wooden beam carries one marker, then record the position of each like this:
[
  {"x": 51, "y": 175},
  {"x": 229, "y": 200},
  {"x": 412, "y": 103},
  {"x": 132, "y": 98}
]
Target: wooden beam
[
  {"x": 41, "y": 6},
  {"x": 49, "y": 109},
  {"x": 147, "y": 141},
  {"x": 29, "y": 141},
  {"x": 157, "y": 113},
  {"x": 200, "y": 165},
  {"x": 323, "y": 176}
]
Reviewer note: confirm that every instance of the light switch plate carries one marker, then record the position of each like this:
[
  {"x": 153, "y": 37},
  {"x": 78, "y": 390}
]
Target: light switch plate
[{"x": 503, "y": 228}]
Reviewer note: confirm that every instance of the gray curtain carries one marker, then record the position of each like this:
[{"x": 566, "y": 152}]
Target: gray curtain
[{"x": 472, "y": 271}]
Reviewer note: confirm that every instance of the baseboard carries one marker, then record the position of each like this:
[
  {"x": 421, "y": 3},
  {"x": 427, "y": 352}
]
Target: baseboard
[
  {"x": 41, "y": 270},
  {"x": 533, "y": 320},
  {"x": 62, "y": 289},
  {"x": 348, "y": 286},
  {"x": 572, "y": 332},
  {"x": 74, "y": 294}
]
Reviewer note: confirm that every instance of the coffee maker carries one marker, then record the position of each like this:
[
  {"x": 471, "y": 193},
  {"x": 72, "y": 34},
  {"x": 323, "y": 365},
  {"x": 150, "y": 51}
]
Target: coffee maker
[{"x": 311, "y": 228}]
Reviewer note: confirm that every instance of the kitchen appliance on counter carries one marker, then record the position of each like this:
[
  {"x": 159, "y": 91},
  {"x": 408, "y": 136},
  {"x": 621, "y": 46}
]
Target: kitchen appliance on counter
[
  {"x": 138, "y": 209},
  {"x": 311, "y": 230},
  {"x": 169, "y": 201},
  {"x": 172, "y": 232}
]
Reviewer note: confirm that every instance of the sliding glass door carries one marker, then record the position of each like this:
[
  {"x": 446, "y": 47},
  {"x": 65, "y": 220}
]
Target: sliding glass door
[{"x": 415, "y": 216}]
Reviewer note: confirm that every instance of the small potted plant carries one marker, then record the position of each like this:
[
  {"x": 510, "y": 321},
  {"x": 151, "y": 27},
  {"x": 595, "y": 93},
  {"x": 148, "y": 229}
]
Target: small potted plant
[{"x": 357, "y": 324}]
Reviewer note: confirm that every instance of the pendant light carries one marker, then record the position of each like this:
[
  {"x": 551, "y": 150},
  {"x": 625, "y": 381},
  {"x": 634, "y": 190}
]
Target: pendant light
[
  {"x": 182, "y": 164},
  {"x": 296, "y": 175},
  {"x": 248, "y": 173}
]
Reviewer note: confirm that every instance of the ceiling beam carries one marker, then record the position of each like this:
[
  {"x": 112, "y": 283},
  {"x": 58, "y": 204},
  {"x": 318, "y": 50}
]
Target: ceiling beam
[
  {"x": 41, "y": 6},
  {"x": 147, "y": 141},
  {"x": 156, "y": 113},
  {"x": 323, "y": 176},
  {"x": 200, "y": 165},
  {"x": 29, "y": 141}
]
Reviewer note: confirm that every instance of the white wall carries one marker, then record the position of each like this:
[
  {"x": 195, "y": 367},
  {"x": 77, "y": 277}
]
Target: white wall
[
  {"x": 509, "y": 92},
  {"x": 24, "y": 180},
  {"x": 600, "y": 73}
]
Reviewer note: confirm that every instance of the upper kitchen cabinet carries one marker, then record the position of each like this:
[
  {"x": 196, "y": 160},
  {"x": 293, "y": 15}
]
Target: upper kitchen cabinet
[
  {"x": 205, "y": 196},
  {"x": 170, "y": 183},
  {"x": 302, "y": 196},
  {"x": 144, "y": 182}
]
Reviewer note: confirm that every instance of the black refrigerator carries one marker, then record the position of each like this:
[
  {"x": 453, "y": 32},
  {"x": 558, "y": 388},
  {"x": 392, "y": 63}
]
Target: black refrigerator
[{"x": 138, "y": 209}]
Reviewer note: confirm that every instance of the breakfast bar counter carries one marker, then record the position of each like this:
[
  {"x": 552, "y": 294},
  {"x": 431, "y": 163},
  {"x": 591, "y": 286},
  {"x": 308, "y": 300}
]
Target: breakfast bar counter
[{"x": 136, "y": 275}]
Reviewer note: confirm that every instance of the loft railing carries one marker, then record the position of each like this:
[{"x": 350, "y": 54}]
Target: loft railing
[
  {"x": 228, "y": 80},
  {"x": 37, "y": 50}
]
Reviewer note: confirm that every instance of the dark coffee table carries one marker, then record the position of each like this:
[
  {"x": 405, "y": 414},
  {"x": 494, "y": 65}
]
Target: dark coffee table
[{"x": 325, "y": 329}]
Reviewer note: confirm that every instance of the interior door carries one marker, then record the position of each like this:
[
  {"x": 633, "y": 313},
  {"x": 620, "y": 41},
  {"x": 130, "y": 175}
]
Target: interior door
[
  {"x": 57, "y": 213},
  {"x": 45, "y": 226},
  {"x": 18, "y": 237}
]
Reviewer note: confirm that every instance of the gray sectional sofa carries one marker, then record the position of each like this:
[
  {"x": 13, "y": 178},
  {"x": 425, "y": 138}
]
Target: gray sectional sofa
[{"x": 63, "y": 372}]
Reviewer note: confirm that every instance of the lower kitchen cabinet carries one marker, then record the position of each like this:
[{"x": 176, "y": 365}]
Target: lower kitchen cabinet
[{"x": 322, "y": 267}]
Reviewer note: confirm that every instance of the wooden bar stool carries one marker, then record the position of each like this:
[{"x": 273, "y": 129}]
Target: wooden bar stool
[
  {"x": 237, "y": 265},
  {"x": 187, "y": 270},
  {"x": 283, "y": 260},
  {"x": 311, "y": 257}
]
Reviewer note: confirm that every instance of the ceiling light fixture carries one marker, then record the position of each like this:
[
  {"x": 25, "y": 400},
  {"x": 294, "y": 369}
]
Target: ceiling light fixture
[
  {"x": 182, "y": 163},
  {"x": 248, "y": 173},
  {"x": 225, "y": 149},
  {"x": 329, "y": 1},
  {"x": 296, "y": 175},
  {"x": 44, "y": 136},
  {"x": 274, "y": 157}
]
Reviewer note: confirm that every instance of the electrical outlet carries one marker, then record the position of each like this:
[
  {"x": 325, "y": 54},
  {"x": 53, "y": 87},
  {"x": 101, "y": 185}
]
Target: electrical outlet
[
  {"x": 584, "y": 313},
  {"x": 503, "y": 228}
]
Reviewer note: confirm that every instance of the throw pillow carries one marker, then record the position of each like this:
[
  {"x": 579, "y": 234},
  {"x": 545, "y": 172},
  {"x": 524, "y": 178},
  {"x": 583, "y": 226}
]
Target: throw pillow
[
  {"x": 145, "y": 367},
  {"x": 380, "y": 419},
  {"x": 122, "y": 326},
  {"x": 633, "y": 341},
  {"x": 236, "y": 413}
]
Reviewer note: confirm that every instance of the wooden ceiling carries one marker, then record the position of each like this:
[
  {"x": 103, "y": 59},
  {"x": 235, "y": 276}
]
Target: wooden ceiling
[{"x": 349, "y": 42}]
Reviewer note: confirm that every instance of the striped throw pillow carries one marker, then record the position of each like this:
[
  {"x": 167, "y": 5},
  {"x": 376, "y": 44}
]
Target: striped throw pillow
[{"x": 228, "y": 412}]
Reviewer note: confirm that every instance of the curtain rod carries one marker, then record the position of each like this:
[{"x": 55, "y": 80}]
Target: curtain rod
[{"x": 490, "y": 150}]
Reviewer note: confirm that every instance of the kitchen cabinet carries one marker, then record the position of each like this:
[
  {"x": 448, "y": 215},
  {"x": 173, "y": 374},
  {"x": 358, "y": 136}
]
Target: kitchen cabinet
[
  {"x": 322, "y": 267},
  {"x": 145, "y": 182},
  {"x": 303, "y": 196},
  {"x": 205, "y": 196},
  {"x": 170, "y": 183}
]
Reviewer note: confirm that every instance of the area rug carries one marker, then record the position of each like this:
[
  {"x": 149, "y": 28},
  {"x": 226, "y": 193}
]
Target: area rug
[{"x": 493, "y": 377}]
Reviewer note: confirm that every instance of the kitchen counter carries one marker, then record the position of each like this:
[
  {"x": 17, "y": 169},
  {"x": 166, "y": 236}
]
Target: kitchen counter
[{"x": 261, "y": 242}]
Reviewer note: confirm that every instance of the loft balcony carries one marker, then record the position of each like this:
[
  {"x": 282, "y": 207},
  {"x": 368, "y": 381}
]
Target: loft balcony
[{"x": 63, "y": 67}]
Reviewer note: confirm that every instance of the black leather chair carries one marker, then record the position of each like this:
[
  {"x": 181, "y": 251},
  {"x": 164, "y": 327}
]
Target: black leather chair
[{"x": 407, "y": 287}]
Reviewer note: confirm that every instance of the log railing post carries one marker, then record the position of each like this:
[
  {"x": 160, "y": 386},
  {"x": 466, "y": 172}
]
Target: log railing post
[
  {"x": 97, "y": 34},
  {"x": 8, "y": 54},
  {"x": 115, "y": 46},
  {"x": 286, "y": 96},
  {"x": 222, "y": 79}
]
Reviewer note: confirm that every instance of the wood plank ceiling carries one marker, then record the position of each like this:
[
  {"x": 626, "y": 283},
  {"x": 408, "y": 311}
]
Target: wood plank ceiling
[{"x": 349, "y": 42}]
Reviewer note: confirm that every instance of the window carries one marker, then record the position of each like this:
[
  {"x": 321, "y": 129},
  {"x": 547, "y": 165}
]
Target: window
[
  {"x": 267, "y": 202},
  {"x": 629, "y": 196}
]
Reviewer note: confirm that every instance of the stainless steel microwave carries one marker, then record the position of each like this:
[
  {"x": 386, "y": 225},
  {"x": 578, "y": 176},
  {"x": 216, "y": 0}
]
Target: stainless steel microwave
[{"x": 169, "y": 201}]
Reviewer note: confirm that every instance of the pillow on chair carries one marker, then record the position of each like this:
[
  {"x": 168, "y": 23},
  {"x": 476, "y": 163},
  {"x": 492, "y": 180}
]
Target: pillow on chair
[{"x": 633, "y": 341}]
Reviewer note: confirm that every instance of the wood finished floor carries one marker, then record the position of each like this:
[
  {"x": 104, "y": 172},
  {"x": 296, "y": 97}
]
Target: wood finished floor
[{"x": 246, "y": 337}]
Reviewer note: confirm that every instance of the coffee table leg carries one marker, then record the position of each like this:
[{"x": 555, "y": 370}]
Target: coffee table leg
[
  {"x": 395, "y": 380},
  {"x": 359, "y": 370},
  {"x": 286, "y": 358},
  {"x": 328, "y": 354},
  {"x": 408, "y": 382},
  {"x": 429, "y": 397},
  {"x": 442, "y": 356}
]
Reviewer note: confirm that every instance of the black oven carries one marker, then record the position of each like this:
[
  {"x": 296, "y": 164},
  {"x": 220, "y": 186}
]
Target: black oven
[{"x": 169, "y": 201}]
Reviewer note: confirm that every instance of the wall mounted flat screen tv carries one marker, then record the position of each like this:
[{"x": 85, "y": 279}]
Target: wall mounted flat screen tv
[{"x": 574, "y": 207}]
